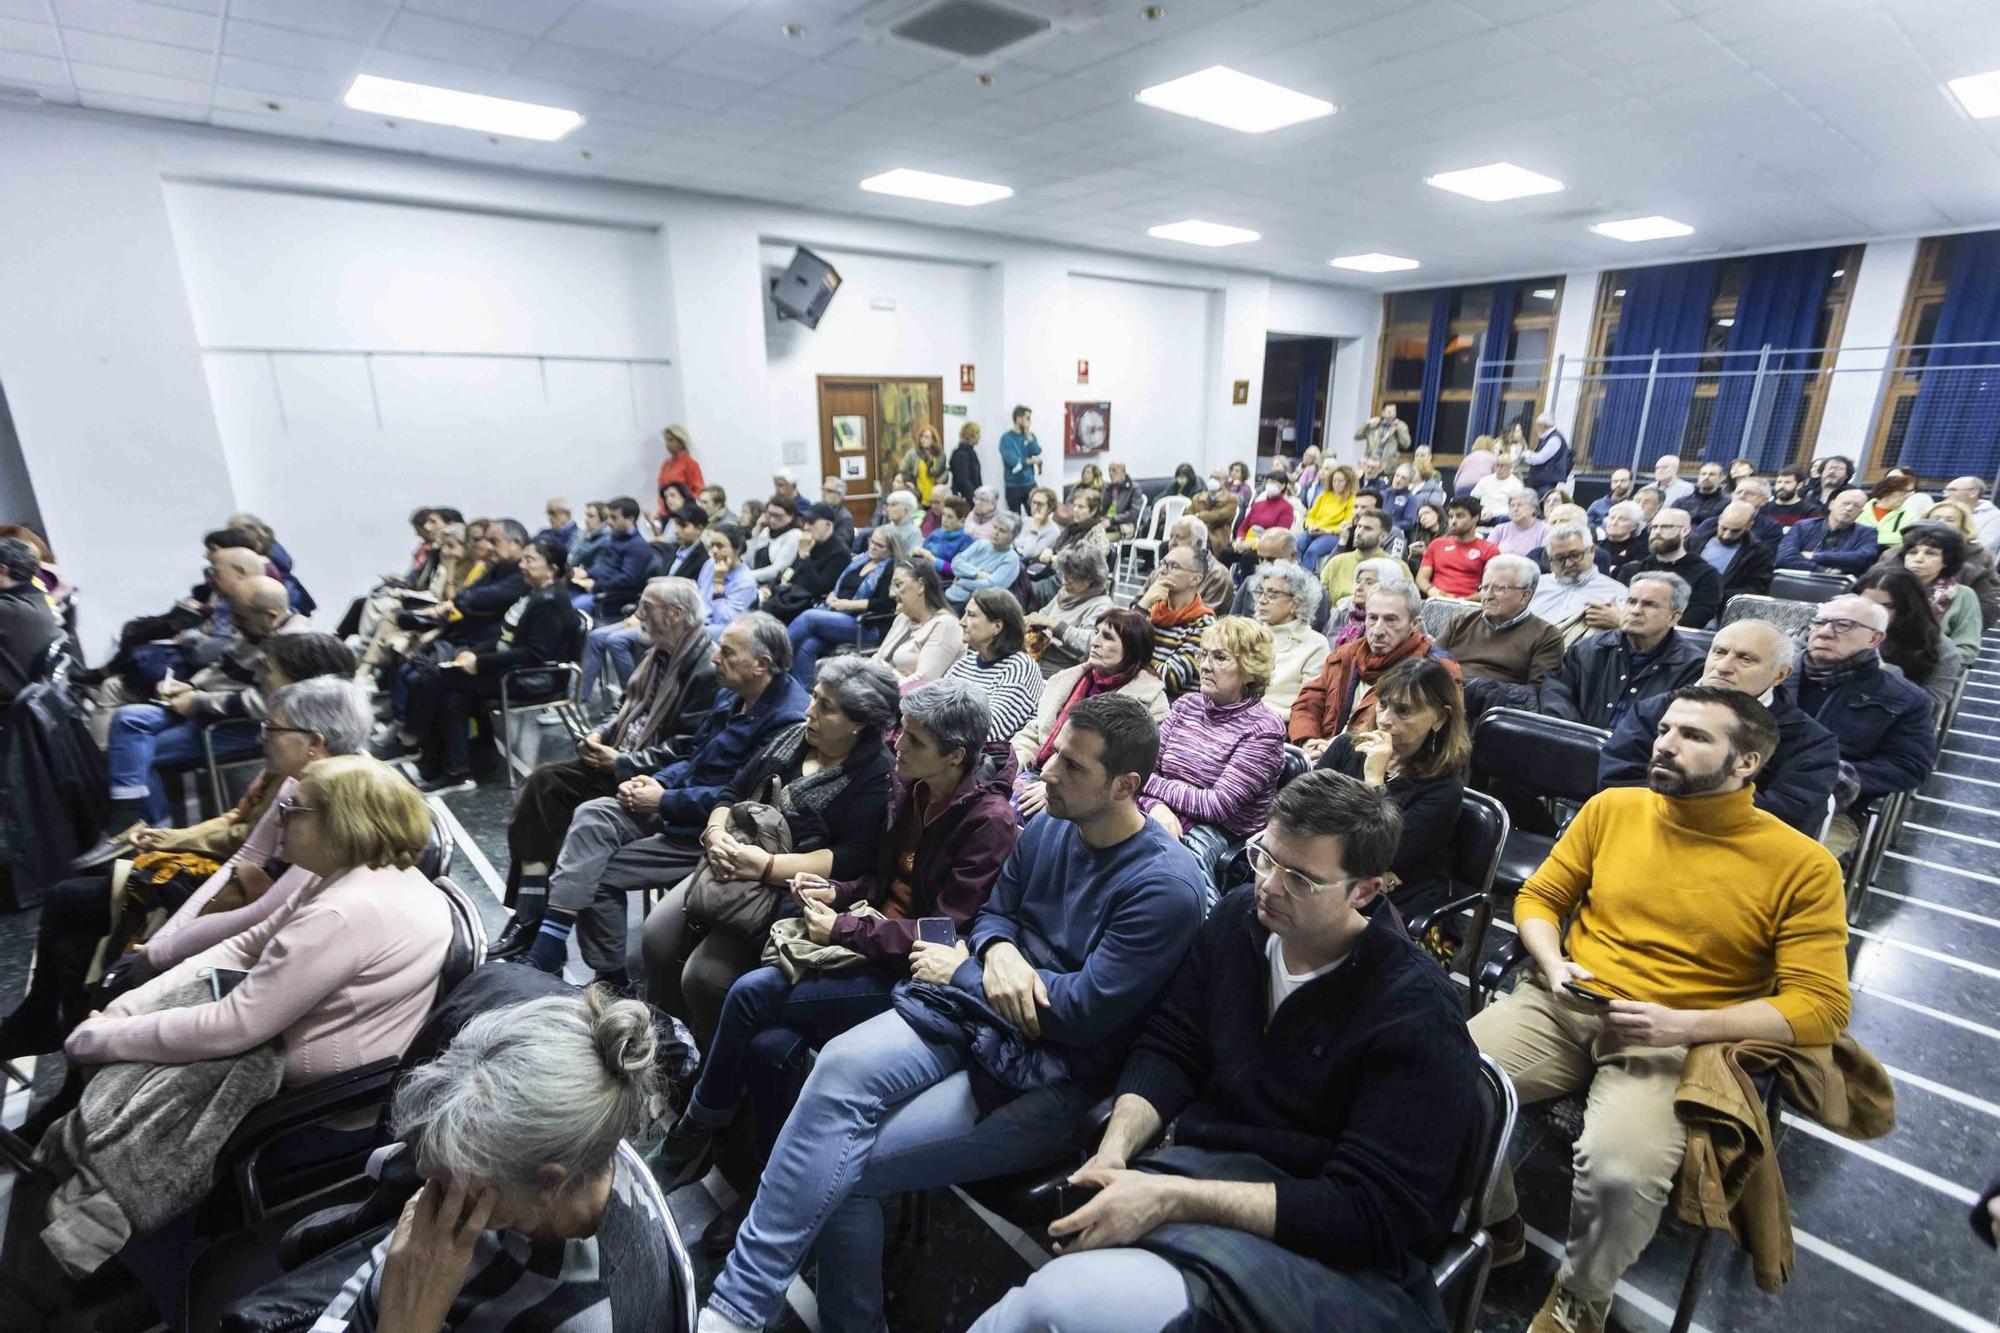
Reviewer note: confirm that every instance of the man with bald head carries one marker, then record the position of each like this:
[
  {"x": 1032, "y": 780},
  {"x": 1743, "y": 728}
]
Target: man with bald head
[
  {"x": 166, "y": 731},
  {"x": 1764, "y": 529},
  {"x": 1755, "y": 657},
  {"x": 1838, "y": 543},
  {"x": 1970, "y": 492},
  {"x": 1273, "y": 546},
  {"x": 1730, "y": 548},
  {"x": 1882, "y": 721}
]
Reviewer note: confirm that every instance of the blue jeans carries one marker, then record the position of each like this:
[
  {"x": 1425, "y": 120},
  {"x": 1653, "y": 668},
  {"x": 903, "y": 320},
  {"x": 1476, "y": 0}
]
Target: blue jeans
[
  {"x": 883, "y": 1111},
  {"x": 144, "y": 736},
  {"x": 612, "y": 644},
  {"x": 1317, "y": 550},
  {"x": 815, "y": 631}
]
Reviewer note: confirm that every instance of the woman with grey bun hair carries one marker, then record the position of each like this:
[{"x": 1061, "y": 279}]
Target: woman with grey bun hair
[{"x": 533, "y": 1197}]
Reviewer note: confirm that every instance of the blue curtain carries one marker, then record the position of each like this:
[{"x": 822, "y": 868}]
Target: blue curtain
[
  {"x": 1427, "y": 407},
  {"x": 1313, "y": 359},
  {"x": 1486, "y": 400},
  {"x": 1955, "y": 421},
  {"x": 1778, "y": 306},
  {"x": 1665, "y": 309}
]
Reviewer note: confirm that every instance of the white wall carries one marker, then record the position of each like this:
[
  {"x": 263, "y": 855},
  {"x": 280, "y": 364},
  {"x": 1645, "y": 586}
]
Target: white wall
[
  {"x": 1874, "y": 314},
  {"x": 1148, "y": 348},
  {"x": 1572, "y": 345}
]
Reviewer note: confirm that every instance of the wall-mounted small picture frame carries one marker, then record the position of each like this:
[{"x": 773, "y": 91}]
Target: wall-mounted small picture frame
[
  {"x": 850, "y": 435},
  {"x": 1239, "y": 394},
  {"x": 854, "y": 467}
]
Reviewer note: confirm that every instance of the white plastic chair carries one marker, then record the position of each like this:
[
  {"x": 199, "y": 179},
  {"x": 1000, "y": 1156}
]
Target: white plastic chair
[{"x": 1164, "y": 514}]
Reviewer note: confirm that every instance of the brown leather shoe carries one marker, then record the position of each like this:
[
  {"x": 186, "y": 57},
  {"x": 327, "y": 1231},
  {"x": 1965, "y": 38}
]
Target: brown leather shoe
[
  {"x": 1510, "y": 1240},
  {"x": 1566, "y": 1312},
  {"x": 719, "y": 1236}
]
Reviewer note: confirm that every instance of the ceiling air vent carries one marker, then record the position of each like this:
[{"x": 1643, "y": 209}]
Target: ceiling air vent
[{"x": 970, "y": 29}]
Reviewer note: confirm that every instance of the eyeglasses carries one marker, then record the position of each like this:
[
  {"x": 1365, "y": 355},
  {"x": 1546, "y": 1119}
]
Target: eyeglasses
[
  {"x": 1839, "y": 624},
  {"x": 265, "y": 729},
  {"x": 1272, "y": 594},
  {"x": 1296, "y": 884},
  {"x": 288, "y": 808},
  {"x": 1497, "y": 588}
]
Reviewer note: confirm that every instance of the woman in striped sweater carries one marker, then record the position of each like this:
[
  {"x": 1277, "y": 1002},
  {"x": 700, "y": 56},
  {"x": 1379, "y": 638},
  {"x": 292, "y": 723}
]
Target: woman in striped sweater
[
  {"x": 995, "y": 663},
  {"x": 1221, "y": 750}
]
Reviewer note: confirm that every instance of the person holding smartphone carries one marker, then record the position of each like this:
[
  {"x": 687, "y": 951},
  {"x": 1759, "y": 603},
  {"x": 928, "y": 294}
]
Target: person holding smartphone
[
  {"x": 1698, "y": 918},
  {"x": 950, "y": 828}
]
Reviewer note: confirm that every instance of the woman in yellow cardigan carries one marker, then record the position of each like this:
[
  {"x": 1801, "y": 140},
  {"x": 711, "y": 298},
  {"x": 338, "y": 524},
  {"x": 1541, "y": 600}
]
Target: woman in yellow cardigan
[{"x": 1329, "y": 514}]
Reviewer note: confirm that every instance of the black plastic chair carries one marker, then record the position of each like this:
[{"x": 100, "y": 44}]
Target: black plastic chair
[
  {"x": 1542, "y": 759},
  {"x": 1461, "y": 1271},
  {"x": 511, "y": 705},
  {"x": 1703, "y": 639},
  {"x": 1809, "y": 585},
  {"x": 1477, "y": 839}
]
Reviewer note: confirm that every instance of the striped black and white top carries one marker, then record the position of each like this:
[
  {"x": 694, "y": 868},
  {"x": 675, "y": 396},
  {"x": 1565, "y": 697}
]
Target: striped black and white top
[
  {"x": 619, "y": 1280},
  {"x": 1011, "y": 686}
]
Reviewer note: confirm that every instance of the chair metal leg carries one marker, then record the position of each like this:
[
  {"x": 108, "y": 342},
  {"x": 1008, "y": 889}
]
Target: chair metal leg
[
  {"x": 505, "y": 738},
  {"x": 1697, "y": 1276}
]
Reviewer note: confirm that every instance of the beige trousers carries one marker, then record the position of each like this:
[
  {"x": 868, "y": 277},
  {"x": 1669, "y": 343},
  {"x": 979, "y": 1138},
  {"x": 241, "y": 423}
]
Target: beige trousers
[{"x": 1632, "y": 1142}]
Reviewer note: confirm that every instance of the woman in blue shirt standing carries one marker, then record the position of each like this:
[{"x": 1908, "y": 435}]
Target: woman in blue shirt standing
[{"x": 1020, "y": 459}]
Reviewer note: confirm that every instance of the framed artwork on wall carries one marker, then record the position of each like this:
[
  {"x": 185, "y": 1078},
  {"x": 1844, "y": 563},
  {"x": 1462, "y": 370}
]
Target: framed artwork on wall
[
  {"x": 1086, "y": 429},
  {"x": 850, "y": 434},
  {"x": 854, "y": 467}
]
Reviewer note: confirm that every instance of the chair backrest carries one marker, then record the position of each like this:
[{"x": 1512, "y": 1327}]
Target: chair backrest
[
  {"x": 681, "y": 1319},
  {"x": 1295, "y": 764},
  {"x": 1476, "y": 840},
  {"x": 1538, "y": 756},
  {"x": 1437, "y": 612},
  {"x": 1790, "y": 616},
  {"x": 1949, "y": 714},
  {"x": 1809, "y": 585},
  {"x": 1164, "y": 515},
  {"x": 435, "y": 859},
  {"x": 468, "y": 937},
  {"x": 584, "y": 624},
  {"x": 1467, "y": 1260},
  {"x": 1700, "y": 638}
]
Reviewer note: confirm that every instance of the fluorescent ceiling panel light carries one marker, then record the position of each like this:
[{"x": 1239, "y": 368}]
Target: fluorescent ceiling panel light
[
  {"x": 1654, "y": 228},
  {"x": 1979, "y": 94},
  {"x": 1725, "y": 323},
  {"x": 1373, "y": 263},
  {"x": 936, "y": 189},
  {"x": 1196, "y": 232},
  {"x": 1495, "y": 182},
  {"x": 1545, "y": 293},
  {"x": 1234, "y": 100},
  {"x": 467, "y": 111}
]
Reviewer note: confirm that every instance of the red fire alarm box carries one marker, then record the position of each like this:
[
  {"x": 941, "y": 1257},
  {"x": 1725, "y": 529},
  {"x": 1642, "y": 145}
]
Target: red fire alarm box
[
  {"x": 1082, "y": 372},
  {"x": 965, "y": 377}
]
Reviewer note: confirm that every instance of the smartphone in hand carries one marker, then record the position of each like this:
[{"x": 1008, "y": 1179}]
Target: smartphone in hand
[
  {"x": 1586, "y": 994},
  {"x": 937, "y": 930},
  {"x": 222, "y": 980}
]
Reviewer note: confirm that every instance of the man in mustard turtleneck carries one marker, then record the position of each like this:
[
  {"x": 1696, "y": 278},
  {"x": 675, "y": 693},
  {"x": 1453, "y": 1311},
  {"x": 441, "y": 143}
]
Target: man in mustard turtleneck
[{"x": 1706, "y": 920}]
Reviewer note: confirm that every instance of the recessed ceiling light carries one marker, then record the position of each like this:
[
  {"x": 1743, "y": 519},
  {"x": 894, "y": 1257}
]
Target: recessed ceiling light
[
  {"x": 467, "y": 111},
  {"x": 1234, "y": 100},
  {"x": 1725, "y": 323},
  {"x": 1373, "y": 263},
  {"x": 1195, "y": 232},
  {"x": 1495, "y": 182},
  {"x": 1840, "y": 273},
  {"x": 1653, "y": 228},
  {"x": 936, "y": 189},
  {"x": 1619, "y": 292},
  {"x": 1979, "y": 94},
  {"x": 1545, "y": 293}
]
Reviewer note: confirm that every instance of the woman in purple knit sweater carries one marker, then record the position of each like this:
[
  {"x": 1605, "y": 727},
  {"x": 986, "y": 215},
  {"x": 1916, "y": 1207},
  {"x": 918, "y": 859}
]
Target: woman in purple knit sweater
[{"x": 1221, "y": 750}]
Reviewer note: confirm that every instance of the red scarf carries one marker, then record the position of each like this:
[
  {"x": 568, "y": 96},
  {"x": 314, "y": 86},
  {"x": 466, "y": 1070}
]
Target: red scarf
[
  {"x": 1165, "y": 617},
  {"x": 1089, "y": 685}
]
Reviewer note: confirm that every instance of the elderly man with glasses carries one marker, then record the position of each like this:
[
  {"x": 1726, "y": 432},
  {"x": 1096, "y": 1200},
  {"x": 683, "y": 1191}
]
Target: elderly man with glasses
[
  {"x": 1577, "y": 597},
  {"x": 1503, "y": 649},
  {"x": 1882, "y": 721},
  {"x": 1322, "y": 1086}
]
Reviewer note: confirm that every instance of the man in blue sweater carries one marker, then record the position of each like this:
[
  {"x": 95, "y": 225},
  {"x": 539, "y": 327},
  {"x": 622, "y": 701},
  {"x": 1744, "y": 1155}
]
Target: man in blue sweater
[
  {"x": 618, "y": 574},
  {"x": 1323, "y": 1088},
  {"x": 1836, "y": 542},
  {"x": 1089, "y": 920}
]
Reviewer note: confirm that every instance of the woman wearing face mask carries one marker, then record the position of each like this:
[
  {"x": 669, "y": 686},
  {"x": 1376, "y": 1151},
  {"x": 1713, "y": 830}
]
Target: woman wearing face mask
[{"x": 1217, "y": 507}]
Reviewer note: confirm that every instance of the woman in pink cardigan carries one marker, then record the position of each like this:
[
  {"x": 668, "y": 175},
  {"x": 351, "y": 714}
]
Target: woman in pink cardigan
[{"x": 344, "y": 972}]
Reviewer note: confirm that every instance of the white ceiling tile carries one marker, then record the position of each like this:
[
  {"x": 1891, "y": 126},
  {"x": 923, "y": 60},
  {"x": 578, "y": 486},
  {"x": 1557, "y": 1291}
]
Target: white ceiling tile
[
  {"x": 579, "y": 68},
  {"x": 1595, "y": 21},
  {"x": 34, "y": 39},
  {"x": 752, "y": 62},
  {"x": 764, "y": 25},
  {"x": 349, "y": 20},
  {"x": 530, "y": 18},
  {"x": 25, "y": 11},
  {"x": 41, "y": 71},
  {"x": 143, "y": 106},
  {"x": 133, "y": 83},
  {"x": 258, "y": 76},
  {"x": 460, "y": 43},
  {"x": 181, "y": 62},
  {"x": 269, "y": 108},
  {"x": 598, "y": 26},
  {"x": 882, "y": 56},
  {"x": 695, "y": 88},
  {"x": 1518, "y": 11},
  {"x": 131, "y": 18},
  {"x": 282, "y": 46},
  {"x": 1971, "y": 48}
]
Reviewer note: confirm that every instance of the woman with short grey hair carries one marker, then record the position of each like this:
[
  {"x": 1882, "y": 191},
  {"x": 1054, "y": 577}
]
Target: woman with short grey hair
[
  {"x": 951, "y": 827},
  {"x": 1284, "y": 598},
  {"x": 985, "y": 507},
  {"x": 1060, "y": 631},
  {"x": 533, "y": 1199},
  {"x": 987, "y": 563}
]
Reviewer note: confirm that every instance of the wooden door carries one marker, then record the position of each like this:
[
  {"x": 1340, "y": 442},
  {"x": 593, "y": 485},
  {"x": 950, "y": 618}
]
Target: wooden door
[{"x": 866, "y": 424}]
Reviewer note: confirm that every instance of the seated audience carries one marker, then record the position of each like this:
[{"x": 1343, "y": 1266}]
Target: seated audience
[
  {"x": 1524, "y": 531},
  {"x": 1621, "y": 536},
  {"x": 1452, "y": 564},
  {"x": 943, "y": 543},
  {"x": 861, "y": 592},
  {"x": 774, "y": 541},
  {"x": 950, "y": 829},
  {"x": 1180, "y": 616},
  {"x": 1087, "y": 922},
  {"x": 1766, "y": 961},
  {"x": 455, "y": 566},
  {"x": 1668, "y": 553},
  {"x": 1286, "y": 599},
  {"x": 1883, "y": 722},
  {"x": 985, "y": 504},
  {"x": 1426, "y": 527},
  {"x": 539, "y": 630},
  {"x": 1729, "y": 546},
  {"x": 1349, "y": 620},
  {"x": 344, "y": 972},
  {"x": 1650, "y": 499},
  {"x": 1936, "y": 555},
  {"x": 687, "y": 558},
  {"x": 561, "y": 526},
  {"x": 1120, "y": 661},
  {"x": 1221, "y": 751},
  {"x": 1754, "y": 656},
  {"x": 715, "y": 500},
  {"x": 1039, "y": 529},
  {"x": 1060, "y": 630},
  {"x": 1496, "y": 492},
  {"x": 816, "y": 567},
  {"x": 1123, "y": 501},
  {"x": 1707, "y": 498},
  {"x": 667, "y": 699},
  {"x": 1329, "y": 515},
  {"x": 899, "y": 512},
  {"x": 471, "y": 618},
  {"x": 1186, "y": 483},
  {"x": 1599, "y": 512},
  {"x": 833, "y": 494},
  {"x": 1271, "y": 509},
  {"x": 595, "y": 534},
  {"x": 1089, "y": 478},
  {"x": 144, "y": 737},
  {"x": 49, "y": 578},
  {"x": 533, "y": 1204},
  {"x": 1342, "y": 696},
  {"x": 1969, "y": 493},
  {"x": 1752, "y": 493},
  {"x": 785, "y": 490},
  {"x": 1893, "y": 504},
  {"x": 1215, "y": 505},
  {"x": 756, "y": 697},
  {"x": 1575, "y": 597},
  {"x": 1604, "y": 674},
  {"x": 1977, "y": 572},
  {"x": 1274, "y": 545},
  {"x": 989, "y": 562},
  {"x": 925, "y": 640},
  {"x": 618, "y": 570},
  {"x": 726, "y": 588},
  {"x": 28, "y": 627},
  {"x": 278, "y": 560},
  {"x": 1790, "y": 505},
  {"x": 995, "y": 664},
  {"x": 1838, "y": 542},
  {"x": 1367, "y": 539},
  {"x": 1308, "y": 1176},
  {"x": 1086, "y": 525},
  {"x": 1418, "y": 753},
  {"x": 1913, "y": 643},
  {"x": 1428, "y": 482},
  {"x": 1503, "y": 649},
  {"x": 1667, "y": 480}
]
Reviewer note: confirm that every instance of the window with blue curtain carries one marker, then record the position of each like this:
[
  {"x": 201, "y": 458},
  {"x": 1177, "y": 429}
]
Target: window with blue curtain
[
  {"x": 1666, "y": 310},
  {"x": 1954, "y": 425},
  {"x": 1486, "y": 398},
  {"x": 1778, "y": 305},
  {"x": 1437, "y": 350},
  {"x": 1427, "y": 406}
]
